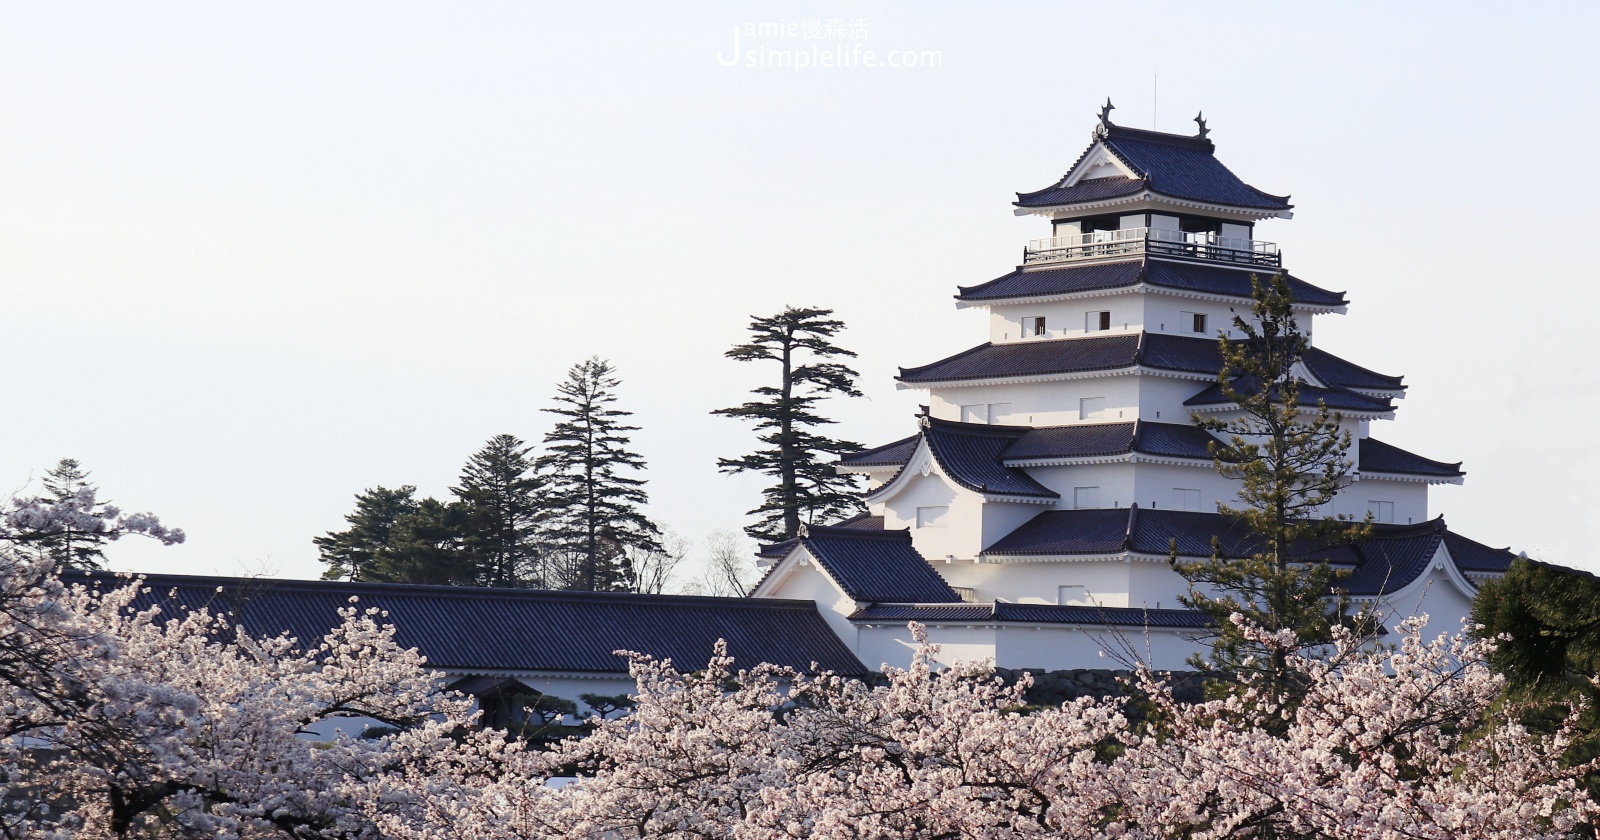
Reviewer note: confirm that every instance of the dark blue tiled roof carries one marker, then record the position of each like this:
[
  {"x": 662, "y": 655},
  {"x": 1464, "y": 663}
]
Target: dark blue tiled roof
[
  {"x": 1337, "y": 399},
  {"x": 1379, "y": 457},
  {"x": 1088, "y": 189},
  {"x": 1390, "y": 558},
  {"x": 1474, "y": 556},
  {"x": 862, "y": 522},
  {"x": 887, "y": 455},
  {"x": 1103, "y": 439},
  {"x": 1338, "y": 372},
  {"x": 1184, "y": 354},
  {"x": 1171, "y": 164},
  {"x": 1188, "y": 277},
  {"x": 466, "y": 629},
  {"x": 876, "y": 565},
  {"x": 970, "y": 454},
  {"x": 1394, "y": 556},
  {"x": 1030, "y": 614},
  {"x": 1029, "y": 358}
]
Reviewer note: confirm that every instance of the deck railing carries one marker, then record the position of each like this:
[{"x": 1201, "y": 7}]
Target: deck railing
[{"x": 1102, "y": 244}]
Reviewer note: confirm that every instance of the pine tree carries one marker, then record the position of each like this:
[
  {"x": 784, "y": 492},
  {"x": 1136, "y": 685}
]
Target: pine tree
[
  {"x": 499, "y": 492},
  {"x": 1290, "y": 460},
  {"x": 428, "y": 545},
  {"x": 353, "y": 553},
  {"x": 807, "y": 489},
  {"x": 594, "y": 507},
  {"x": 71, "y": 548}
]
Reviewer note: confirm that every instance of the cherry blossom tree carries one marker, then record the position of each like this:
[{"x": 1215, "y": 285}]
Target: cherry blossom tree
[{"x": 119, "y": 719}]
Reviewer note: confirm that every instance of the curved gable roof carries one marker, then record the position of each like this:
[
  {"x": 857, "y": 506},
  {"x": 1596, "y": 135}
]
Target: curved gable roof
[
  {"x": 876, "y": 566},
  {"x": 1171, "y": 164}
]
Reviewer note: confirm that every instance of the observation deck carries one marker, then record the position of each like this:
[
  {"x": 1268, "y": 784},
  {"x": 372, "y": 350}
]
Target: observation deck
[{"x": 1156, "y": 242}]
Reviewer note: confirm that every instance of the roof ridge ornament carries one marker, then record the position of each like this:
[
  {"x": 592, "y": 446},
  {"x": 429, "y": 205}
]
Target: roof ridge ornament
[
  {"x": 1200, "y": 117},
  {"x": 804, "y": 532},
  {"x": 1102, "y": 128}
]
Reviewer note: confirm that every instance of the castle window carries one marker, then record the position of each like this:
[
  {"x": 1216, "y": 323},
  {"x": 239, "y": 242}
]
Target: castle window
[
  {"x": 1381, "y": 511},
  {"x": 1185, "y": 499},
  {"x": 1085, "y": 498},
  {"x": 1033, "y": 327},
  {"x": 1194, "y": 322},
  {"x": 1073, "y": 595},
  {"x": 975, "y": 413},
  {"x": 1091, "y": 408},
  {"x": 999, "y": 412},
  {"x": 1097, "y": 321},
  {"x": 933, "y": 516}
]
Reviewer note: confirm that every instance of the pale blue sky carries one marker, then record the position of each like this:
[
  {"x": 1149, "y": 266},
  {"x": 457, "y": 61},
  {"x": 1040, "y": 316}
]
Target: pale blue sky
[{"x": 254, "y": 259}]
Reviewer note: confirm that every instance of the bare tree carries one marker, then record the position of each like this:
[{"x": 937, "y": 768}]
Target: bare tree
[
  {"x": 653, "y": 568},
  {"x": 730, "y": 567}
]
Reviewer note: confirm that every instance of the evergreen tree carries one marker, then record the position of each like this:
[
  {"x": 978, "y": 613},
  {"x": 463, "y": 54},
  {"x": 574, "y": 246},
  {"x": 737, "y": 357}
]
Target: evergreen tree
[
  {"x": 353, "y": 553},
  {"x": 1290, "y": 460},
  {"x": 499, "y": 492},
  {"x": 69, "y": 547},
  {"x": 594, "y": 506},
  {"x": 806, "y": 487},
  {"x": 395, "y": 537},
  {"x": 428, "y": 545}
]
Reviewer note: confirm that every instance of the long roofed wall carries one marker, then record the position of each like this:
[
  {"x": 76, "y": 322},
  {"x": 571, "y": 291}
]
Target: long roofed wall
[{"x": 1057, "y": 461}]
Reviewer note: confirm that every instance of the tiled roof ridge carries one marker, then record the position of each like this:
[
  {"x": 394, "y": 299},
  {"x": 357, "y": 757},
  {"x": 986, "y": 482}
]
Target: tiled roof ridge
[
  {"x": 1151, "y": 136},
  {"x": 978, "y": 429},
  {"x": 157, "y": 579},
  {"x": 875, "y": 450},
  {"x": 835, "y": 531}
]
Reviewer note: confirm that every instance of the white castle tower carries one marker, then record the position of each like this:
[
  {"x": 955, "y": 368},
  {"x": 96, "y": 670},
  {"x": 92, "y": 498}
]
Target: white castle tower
[{"x": 1029, "y": 519}]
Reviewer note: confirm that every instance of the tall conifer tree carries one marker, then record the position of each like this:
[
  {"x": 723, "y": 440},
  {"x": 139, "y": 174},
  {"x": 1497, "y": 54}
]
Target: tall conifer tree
[
  {"x": 806, "y": 488},
  {"x": 595, "y": 506},
  {"x": 71, "y": 548},
  {"x": 352, "y": 554},
  {"x": 499, "y": 492},
  {"x": 1290, "y": 460}
]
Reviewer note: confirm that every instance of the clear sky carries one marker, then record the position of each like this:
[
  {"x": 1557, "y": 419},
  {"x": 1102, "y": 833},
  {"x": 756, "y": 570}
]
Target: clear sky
[{"x": 256, "y": 258}]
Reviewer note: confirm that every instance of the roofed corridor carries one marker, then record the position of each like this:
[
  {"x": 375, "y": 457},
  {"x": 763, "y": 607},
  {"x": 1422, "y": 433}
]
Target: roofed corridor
[{"x": 1103, "y": 244}]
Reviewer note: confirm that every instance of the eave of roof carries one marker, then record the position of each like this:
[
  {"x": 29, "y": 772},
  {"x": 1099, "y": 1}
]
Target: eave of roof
[
  {"x": 1011, "y": 613},
  {"x": 1181, "y": 277},
  {"x": 481, "y": 630}
]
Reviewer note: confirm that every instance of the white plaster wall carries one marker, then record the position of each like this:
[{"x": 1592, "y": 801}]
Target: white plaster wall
[
  {"x": 960, "y": 532},
  {"x": 893, "y": 645},
  {"x": 1116, "y": 482},
  {"x": 1161, "y": 398},
  {"x": 1106, "y": 581},
  {"x": 808, "y": 583},
  {"x": 1066, "y": 318},
  {"x": 1061, "y": 648},
  {"x": 1410, "y": 499},
  {"x": 1053, "y": 403}
]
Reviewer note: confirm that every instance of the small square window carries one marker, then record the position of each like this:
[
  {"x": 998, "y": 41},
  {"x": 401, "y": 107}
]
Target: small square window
[
  {"x": 1091, "y": 408},
  {"x": 1085, "y": 498},
  {"x": 999, "y": 412},
  {"x": 1192, "y": 322},
  {"x": 1199, "y": 322},
  {"x": 1381, "y": 511},
  {"x": 1073, "y": 595},
  {"x": 1185, "y": 499},
  {"x": 1097, "y": 321},
  {"x": 932, "y": 517},
  {"x": 1033, "y": 327},
  {"x": 975, "y": 413}
]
